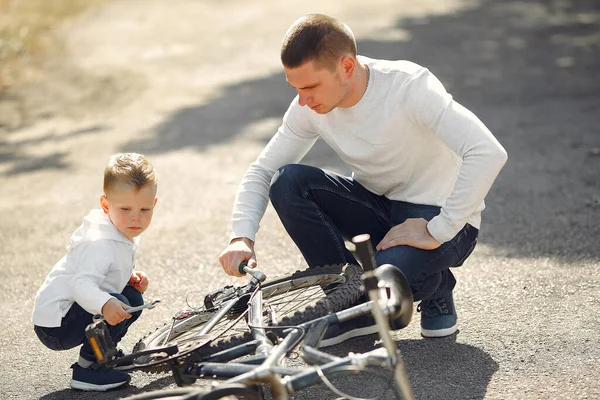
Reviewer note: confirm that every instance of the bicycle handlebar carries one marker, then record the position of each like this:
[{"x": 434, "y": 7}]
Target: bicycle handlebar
[
  {"x": 364, "y": 249},
  {"x": 243, "y": 266},
  {"x": 255, "y": 272}
]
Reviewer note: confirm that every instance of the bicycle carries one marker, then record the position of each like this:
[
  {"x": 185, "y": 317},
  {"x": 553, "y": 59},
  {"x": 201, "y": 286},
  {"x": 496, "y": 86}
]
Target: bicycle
[{"x": 191, "y": 352}]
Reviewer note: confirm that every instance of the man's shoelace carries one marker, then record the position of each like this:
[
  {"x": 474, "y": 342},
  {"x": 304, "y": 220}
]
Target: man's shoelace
[{"x": 433, "y": 308}]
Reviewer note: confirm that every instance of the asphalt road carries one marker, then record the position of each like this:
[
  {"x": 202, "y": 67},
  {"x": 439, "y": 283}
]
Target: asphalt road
[{"x": 197, "y": 87}]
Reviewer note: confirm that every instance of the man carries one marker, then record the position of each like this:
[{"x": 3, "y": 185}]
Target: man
[{"x": 422, "y": 165}]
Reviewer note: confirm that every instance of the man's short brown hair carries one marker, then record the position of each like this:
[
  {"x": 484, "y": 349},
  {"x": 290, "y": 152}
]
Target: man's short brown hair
[
  {"x": 132, "y": 169},
  {"x": 318, "y": 38}
]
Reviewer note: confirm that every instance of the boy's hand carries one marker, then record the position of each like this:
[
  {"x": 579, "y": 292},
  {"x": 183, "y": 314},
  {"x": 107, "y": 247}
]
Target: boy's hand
[
  {"x": 139, "y": 281},
  {"x": 114, "y": 311}
]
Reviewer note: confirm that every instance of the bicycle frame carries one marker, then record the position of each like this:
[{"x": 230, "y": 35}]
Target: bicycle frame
[
  {"x": 264, "y": 366},
  {"x": 284, "y": 381}
]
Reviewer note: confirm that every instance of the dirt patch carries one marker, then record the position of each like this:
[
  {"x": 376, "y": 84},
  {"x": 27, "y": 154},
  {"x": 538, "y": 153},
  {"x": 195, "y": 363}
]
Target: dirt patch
[{"x": 37, "y": 78}]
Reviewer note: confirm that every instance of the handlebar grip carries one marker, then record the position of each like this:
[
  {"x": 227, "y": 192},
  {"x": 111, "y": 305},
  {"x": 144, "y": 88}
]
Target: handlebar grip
[
  {"x": 243, "y": 265},
  {"x": 364, "y": 249}
]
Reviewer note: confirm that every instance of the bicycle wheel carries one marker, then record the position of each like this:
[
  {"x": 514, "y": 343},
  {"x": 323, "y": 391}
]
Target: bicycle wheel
[{"x": 296, "y": 298}]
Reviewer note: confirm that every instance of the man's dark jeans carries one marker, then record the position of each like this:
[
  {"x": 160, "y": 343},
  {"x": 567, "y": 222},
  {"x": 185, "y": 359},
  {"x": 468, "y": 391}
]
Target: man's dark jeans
[
  {"x": 71, "y": 332},
  {"x": 320, "y": 209}
]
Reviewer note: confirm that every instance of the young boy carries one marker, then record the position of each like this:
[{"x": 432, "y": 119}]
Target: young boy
[{"x": 97, "y": 274}]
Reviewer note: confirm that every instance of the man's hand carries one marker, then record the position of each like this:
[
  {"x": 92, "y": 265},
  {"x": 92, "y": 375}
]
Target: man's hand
[
  {"x": 238, "y": 251},
  {"x": 114, "y": 311},
  {"x": 412, "y": 232},
  {"x": 139, "y": 281}
]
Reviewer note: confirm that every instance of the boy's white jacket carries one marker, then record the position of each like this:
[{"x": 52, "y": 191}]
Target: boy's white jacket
[{"x": 99, "y": 261}]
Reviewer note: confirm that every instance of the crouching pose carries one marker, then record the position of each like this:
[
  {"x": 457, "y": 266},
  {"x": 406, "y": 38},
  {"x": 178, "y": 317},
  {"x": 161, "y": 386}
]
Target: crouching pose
[
  {"x": 421, "y": 165},
  {"x": 97, "y": 274}
]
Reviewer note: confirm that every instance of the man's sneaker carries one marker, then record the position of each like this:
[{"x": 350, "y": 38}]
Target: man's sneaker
[
  {"x": 438, "y": 317},
  {"x": 359, "y": 326},
  {"x": 97, "y": 378}
]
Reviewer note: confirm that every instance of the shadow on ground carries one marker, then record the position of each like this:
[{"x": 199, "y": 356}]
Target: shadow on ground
[
  {"x": 527, "y": 69},
  {"x": 12, "y": 152},
  {"x": 130, "y": 391},
  {"x": 466, "y": 371}
]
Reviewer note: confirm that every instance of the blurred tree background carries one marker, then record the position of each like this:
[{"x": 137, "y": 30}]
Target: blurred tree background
[
  {"x": 26, "y": 33},
  {"x": 37, "y": 79}
]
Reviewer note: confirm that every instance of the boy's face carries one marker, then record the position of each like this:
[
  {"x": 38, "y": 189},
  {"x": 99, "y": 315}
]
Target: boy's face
[{"x": 130, "y": 210}]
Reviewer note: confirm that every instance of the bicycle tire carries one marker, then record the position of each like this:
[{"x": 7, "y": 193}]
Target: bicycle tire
[{"x": 347, "y": 292}]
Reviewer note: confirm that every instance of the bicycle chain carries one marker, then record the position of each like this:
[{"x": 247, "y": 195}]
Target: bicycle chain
[{"x": 166, "y": 364}]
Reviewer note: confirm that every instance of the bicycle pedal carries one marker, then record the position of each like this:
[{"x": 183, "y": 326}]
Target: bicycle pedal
[{"x": 101, "y": 342}]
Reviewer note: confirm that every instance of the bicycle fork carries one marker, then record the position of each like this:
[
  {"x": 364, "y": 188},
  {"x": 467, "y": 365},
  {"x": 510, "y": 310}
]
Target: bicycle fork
[{"x": 365, "y": 253}]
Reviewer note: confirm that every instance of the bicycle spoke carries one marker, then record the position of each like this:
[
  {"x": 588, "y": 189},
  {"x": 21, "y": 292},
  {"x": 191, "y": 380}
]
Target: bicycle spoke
[
  {"x": 296, "y": 303},
  {"x": 292, "y": 306},
  {"x": 298, "y": 296},
  {"x": 308, "y": 296},
  {"x": 291, "y": 300}
]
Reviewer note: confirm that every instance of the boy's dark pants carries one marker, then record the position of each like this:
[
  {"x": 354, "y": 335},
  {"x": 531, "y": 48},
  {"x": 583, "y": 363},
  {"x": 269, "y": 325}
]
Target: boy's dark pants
[{"x": 71, "y": 332}]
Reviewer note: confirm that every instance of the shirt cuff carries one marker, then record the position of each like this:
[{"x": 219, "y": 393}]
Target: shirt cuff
[
  {"x": 243, "y": 229},
  {"x": 441, "y": 230}
]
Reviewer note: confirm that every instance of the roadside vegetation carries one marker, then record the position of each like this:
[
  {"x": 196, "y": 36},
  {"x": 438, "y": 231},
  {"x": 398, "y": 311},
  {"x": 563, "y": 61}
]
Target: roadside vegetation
[
  {"x": 26, "y": 32},
  {"x": 30, "y": 85}
]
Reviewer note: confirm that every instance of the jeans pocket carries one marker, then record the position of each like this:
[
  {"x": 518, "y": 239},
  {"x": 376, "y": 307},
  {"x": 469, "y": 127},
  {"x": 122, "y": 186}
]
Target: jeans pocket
[{"x": 51, "y": 342}]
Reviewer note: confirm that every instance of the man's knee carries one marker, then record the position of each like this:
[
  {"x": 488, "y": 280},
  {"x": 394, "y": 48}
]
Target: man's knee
[
  {"x": 421, "y": 284},
  {"x": 285, "y": 183},
  {"x": 397, "y": 257}
]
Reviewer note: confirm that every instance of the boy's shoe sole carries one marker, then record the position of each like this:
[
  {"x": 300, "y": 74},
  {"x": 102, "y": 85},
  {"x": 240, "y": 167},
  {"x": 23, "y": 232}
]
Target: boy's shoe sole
[
  {"x": 96, "y": 378},
  {"x": 89, "y": 387}
]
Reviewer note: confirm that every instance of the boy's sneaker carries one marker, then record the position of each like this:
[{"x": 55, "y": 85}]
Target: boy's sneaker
[
  {"x": 359, "y": 326},
  {"x": 121, "y": 352},
  {"x": 438, "y": 316},
  {"x": 97, "y": 378}
]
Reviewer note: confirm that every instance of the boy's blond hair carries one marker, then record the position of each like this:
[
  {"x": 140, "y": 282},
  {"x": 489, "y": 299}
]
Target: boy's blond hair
[{"x": 132, "y": 169}]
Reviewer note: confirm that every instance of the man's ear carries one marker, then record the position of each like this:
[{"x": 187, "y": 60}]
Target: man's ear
[
  {"x": 155, "y": 200},
  {"x": 348, "y": 66},
  {"x": 104, "y": 203}
]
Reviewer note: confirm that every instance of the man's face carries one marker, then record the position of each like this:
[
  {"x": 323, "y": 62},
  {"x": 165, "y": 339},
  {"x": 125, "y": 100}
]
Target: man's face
[{"x": 319, "y": 88}]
